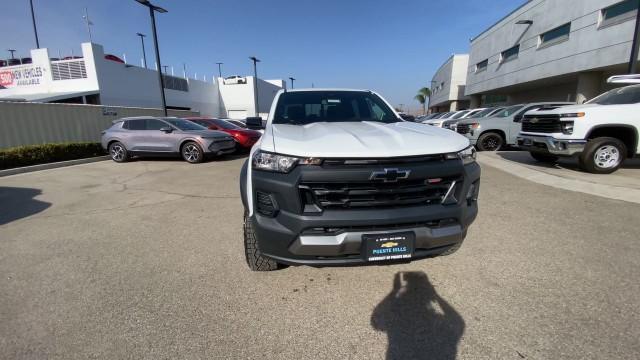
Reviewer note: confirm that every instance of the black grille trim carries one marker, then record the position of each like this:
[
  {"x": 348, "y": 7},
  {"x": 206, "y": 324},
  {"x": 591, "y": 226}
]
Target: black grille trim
[
  {"x": 542, "y": 124},
  {"x": 463, "y": 128},
  {"x": 368, "y": 194}
]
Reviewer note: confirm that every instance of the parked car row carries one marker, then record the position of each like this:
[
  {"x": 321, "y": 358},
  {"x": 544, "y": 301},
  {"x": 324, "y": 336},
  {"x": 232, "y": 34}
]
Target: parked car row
[
  {"x": 193, "y": 139},
  {"x": 602, "y": 133}
]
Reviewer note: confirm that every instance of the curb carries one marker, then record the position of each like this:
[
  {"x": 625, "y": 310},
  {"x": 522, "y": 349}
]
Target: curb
[
  {"x": 577, "y": 185},
  {"x": 54, "y": 165}
]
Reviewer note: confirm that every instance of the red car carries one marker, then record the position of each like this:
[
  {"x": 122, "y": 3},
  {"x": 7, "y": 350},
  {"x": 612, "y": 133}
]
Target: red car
[{"x": 244, "y": 138}]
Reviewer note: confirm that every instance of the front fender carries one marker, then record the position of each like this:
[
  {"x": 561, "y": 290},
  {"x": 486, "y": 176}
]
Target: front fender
[{"x": 243, "y": 184}]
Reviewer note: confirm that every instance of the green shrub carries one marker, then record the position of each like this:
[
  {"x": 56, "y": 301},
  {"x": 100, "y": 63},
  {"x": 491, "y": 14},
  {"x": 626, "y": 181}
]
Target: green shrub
[{"x": 47, "y": 153}]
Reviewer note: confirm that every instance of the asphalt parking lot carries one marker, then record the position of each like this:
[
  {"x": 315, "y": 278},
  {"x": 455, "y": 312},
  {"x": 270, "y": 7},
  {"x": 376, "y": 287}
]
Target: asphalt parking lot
[{"x": 144, "y": 260}]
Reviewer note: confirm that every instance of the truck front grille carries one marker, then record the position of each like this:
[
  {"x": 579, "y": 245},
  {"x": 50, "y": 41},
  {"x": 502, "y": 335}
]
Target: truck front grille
[
  {"x": 541, "y": 124},
  {"x": 463, "y": 128},
  {"x": 369, "y": 194}
]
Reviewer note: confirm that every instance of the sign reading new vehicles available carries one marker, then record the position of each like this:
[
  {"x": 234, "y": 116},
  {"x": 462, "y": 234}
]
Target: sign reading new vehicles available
[{"x": 24, "y": 76}]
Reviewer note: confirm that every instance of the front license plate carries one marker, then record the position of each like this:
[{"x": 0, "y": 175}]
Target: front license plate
[{"x": 382, "y": 247}]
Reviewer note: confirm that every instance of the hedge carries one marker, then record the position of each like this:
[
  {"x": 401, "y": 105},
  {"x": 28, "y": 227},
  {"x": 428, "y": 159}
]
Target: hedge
[{"x": 47, "y": 153}]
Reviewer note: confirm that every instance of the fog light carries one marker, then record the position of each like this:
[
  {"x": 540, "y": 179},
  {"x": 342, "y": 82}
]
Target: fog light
[
  {"x": 567, "y": 127},
  {"x": 265, "y": 204}
]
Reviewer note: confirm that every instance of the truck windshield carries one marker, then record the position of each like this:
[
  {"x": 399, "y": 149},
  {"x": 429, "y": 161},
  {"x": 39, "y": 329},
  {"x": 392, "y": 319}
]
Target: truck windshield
[
  {"x": 481, "y": 114},
  {"x": 509, "y": 111},
  {"x": 621, "y": 96},
  {"x": 306, "y": 107}
]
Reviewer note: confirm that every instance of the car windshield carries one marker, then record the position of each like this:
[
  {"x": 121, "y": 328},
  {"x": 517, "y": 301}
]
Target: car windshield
[
  {"x": 306, "y": 107},
  {"x": 225, "y": 125},
  {"x": 459, "y": 115},
  {"x": 184, "y": 124},
  {"x": 621, "y": 96},
  {"x": 481, "y": 114},
  {"x": 509, "y": 111}
]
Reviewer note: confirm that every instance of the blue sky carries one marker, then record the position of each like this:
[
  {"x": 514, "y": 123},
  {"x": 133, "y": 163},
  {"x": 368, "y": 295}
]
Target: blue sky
[{"x": 391, "y": 46}]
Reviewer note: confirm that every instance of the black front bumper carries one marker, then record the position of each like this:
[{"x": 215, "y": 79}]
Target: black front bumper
[{"x": 333, "y": 236}]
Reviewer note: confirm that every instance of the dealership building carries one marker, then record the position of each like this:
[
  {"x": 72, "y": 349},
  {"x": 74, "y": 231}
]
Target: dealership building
[
  {"x": 448, "y": 85},
  {"x": 102, "y": 79},
  {"x": 551, "y": 50}
]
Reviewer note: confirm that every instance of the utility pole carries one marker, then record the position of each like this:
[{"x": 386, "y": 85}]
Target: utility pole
[
  {"x": 144, "y": 53},
  {"x": 292, "y": 79},
  {"x": 633, "y": 62},
  {"x": 219, "y": 69},
  {"x": 255, "y": 84},
  {"x": 89, "y": 23},
  {"x": 152, "y": 10},
  {"x": 35, "y": 29}
]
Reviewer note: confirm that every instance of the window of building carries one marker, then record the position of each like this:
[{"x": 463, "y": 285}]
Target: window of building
[
  {"x": 510, "y": 54},
  {"x": 555, "y": 36},
  {"x": 619, "y": 12},
  {"x": 482, "y": 65}
]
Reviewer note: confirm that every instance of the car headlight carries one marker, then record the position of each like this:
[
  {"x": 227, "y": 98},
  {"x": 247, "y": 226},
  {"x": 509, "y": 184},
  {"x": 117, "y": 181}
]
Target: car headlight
[
  {"x": 475, "y": 126},
  {"x": 279, "y": 163},
  {"x": 467, "y": 155}
]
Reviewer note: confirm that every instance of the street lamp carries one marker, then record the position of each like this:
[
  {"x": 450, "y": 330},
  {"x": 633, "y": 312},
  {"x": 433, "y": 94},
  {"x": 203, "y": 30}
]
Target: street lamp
[
  {"x": 292, "y": 79},
  {"x": 152, "y": 10},
  {"x": 144, "y": 53},
  {"x": 35, "y": 30},
  {"x": 633, "y": 62},
  {"x": 219, "y": 69},
  {"x": 255, "y": 84},
  {"x": 11, "y": 51}
]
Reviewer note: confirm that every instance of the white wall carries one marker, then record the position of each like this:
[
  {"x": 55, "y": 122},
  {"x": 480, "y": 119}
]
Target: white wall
[
  {"x": 239, "y": 98},
  {"x": 590, "y": 46},
  {"x": 453, "y": 73}
]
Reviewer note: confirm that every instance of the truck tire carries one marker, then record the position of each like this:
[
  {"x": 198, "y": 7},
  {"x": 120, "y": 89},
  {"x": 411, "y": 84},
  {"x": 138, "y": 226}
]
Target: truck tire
[
  {"x": 603, "y": 155},
  {"x": 490, "y": 141},
  {"x": 542, "y": 157},
  {"x": 254, "y": 257}
]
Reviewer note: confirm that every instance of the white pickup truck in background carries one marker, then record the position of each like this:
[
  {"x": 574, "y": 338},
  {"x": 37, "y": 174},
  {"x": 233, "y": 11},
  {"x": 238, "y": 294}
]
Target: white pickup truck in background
[{"x": 602, "y": 133}]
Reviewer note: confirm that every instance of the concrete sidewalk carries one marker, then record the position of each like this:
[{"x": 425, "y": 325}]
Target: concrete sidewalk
[{"x": 622, "y": 185}]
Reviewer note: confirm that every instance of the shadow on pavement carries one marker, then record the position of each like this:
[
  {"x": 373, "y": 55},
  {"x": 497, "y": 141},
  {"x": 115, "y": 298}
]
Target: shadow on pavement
[
  {"x": 570, "y": 163},
  {"x": 418, "y": 322},
  {"x": 17, "y": 203}
]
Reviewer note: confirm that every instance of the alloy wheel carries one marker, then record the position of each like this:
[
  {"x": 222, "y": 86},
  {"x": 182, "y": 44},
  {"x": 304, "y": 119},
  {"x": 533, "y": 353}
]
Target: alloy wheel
[
  {"x": 117, "y": 152},
  {"x": 191, "y": 153},
  {"x": 607, "y": 157}
]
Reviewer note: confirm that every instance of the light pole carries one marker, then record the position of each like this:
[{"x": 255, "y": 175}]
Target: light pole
[
  {"x": 89, "y": 23},
  {"x": 11, "y": 51},
  {"x": 144, "y": 53},
  {"x": 633, "y": 62},
  {"x": 255, "y": 83},
  {"x": 35, "y": 30},
  {"x": 292, "y": 79},
  {"x": 165, "y": 68},
  {"x": 152, "y": 10},
  {"x": 219, "y": 69}
]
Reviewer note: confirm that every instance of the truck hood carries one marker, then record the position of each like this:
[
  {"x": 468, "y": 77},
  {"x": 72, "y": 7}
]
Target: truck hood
[
  {"x": 564, "y": 109},
  {"x": 364, "y": 140}
]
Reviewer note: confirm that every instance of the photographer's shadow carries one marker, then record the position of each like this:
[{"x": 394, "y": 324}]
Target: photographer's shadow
[{"x": 418, "y": 322}]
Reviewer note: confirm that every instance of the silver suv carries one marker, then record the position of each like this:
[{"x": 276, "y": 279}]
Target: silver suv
[
  {"x": 493, "y": 133},
  {"x": 148, "y": 136}
]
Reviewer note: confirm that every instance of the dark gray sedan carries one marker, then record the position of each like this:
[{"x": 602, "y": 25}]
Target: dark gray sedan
[{"x": 149, "y": 136}]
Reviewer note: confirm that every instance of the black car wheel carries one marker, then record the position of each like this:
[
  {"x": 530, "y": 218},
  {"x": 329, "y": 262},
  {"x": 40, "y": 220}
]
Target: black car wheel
[
  {"x": 192, "y": 152},
  {"x": 118, "y": 152},
  {"x": 490, "y": 142}
]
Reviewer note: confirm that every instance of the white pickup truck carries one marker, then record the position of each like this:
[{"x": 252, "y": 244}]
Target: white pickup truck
[
  {"x": 338, "y": 178},
  {"x": 602, "y": 133}
]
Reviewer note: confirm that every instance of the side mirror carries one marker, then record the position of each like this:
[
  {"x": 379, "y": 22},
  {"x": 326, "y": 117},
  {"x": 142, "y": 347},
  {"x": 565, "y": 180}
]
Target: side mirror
[
  {"x": 166, "y": 129},
  {"x": 255, "y": 123},
  {"x": 517, "y": 118}
]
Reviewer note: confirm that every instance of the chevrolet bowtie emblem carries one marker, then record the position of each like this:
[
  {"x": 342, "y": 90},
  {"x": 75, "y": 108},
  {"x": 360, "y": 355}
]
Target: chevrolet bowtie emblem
[
  {"x": 390, "y": 175},
  {"x": 534, "y": 120}
]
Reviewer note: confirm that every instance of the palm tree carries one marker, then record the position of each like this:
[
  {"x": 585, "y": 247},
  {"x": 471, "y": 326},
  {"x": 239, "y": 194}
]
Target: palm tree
[{"x": 422, "y": 97}]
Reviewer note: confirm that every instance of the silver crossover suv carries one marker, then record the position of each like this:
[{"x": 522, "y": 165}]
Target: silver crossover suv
[{"x": 146, "y": 135}]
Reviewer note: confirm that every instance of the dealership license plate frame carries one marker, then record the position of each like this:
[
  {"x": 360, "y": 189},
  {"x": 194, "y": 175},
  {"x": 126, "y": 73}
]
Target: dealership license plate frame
[{"x": 389, "y": 246}]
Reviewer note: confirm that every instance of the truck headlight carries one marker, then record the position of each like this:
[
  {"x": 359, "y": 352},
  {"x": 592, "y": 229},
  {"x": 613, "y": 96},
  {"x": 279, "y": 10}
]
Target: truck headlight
[
  {"x": 467, "y": 155},
  {"x": 279, "y": 163},
  {"x": 573, "y": 115}
]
